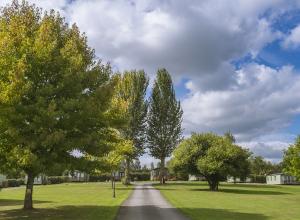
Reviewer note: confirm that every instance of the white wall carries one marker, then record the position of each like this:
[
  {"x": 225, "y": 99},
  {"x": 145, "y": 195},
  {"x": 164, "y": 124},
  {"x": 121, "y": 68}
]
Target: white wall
[
  {"x": 280, "y": 179},
  {"x": 2, "y": 177}
]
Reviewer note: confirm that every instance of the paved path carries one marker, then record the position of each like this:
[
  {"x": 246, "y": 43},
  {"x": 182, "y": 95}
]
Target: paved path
[{"x": 147, "y": 203}]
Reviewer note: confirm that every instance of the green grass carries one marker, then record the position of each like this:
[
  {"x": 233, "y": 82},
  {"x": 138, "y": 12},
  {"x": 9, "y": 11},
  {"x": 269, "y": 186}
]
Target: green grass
[
  {"x": 86, "y": 201},
  {"x": 234, "y": 201}
]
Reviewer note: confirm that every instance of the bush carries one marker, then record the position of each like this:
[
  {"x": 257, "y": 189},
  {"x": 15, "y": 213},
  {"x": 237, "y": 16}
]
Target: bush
[
  {"x": 140, "y": 176},
  {"x": 4, "y": 184},
  {"x": 258, "y": 178},
  {"x": 21, "y": 182},
  {"x": 57, "y": 179},
  {"x": 100, "y": 178},
  {"x": 13, "y": 183}
]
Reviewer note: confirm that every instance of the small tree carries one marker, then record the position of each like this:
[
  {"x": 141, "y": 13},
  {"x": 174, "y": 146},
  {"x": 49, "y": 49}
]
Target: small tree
[
  {"x": 53, "y": 94},
  {"x": 164, "y": 120},
  {"x": 291, "y": 159},
  {"x": 212, "y": 156}
]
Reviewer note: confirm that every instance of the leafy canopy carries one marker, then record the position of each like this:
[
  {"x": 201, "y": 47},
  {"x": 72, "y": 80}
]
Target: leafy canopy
[
  {"x": 215, "y": 157},
  {"x": 291, "y": 159},
  {"x": 54, "y": 95}
]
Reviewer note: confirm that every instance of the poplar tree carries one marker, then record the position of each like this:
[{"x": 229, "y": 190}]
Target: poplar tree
[
  {"x": 164, "y": 120},
  {"x": 131, "y": 89},
  {"x": 54, "y": 94}
]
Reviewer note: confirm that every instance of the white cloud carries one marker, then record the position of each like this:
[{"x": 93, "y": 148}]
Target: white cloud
[
  {"x": 263, "y": 101},
  {"x": 292, "y": 41}
]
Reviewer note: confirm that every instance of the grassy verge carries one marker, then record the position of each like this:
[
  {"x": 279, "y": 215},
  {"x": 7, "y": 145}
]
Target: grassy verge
[
  {"x": 87, "y": 201},
  {"x": 234, "y": 201}
]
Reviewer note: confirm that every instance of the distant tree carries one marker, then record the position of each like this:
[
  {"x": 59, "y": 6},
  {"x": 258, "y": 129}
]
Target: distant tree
[
  {"x": 54, "y": 95},
  {"x": 291, "y": 159},
  {"x": 145, "y": 168},
  {"x": 212, "y": 156},
  {"x": 164, "y": 120},
  {"x": 137, "y": 165},
  {"x": 260, "y": 167},
  {"x": 131, "y": 88},
  {"x": 176, "y": 174},
  {"x": 152, "y": 166}
]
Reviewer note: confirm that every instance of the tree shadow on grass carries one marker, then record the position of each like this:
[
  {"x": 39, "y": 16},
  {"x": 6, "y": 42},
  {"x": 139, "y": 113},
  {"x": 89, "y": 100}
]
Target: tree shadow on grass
[
  {"x": 247, "y": 185},
  {"x": 130, "y": 212},
  {"x": 62, "y": 213},
  {"x": 244, "y": 191},
  {"x": 221, "y": 214},
  {"x": 14, "y": 202}
]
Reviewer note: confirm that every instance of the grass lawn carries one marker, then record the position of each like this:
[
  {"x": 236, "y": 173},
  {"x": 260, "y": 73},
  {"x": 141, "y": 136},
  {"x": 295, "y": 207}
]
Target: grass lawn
[
  {"x": 234, "y": 201},
  {"x": 86, "y": 201}
]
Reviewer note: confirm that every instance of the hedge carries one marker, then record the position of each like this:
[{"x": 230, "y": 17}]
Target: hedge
[
  {"x": 12, "y": 183},
  {"x": 258, "y": 178},
  {"x": 57, "y": 179},
  {"x": 100, "y": 178},
  {"x": 140, "y": 176}
]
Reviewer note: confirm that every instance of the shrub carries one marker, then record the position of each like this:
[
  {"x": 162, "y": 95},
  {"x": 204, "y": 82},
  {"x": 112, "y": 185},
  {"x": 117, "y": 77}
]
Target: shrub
[
  {"x": 100, "y": 178},
  {"x": 13, "y": 183},
  {"x": 21, "y": 182},
  {"x": 140, "y": 176},
  {"x": 4, "y": 184},
  {"x": 57, "y": 179},
  {"x": 258, "y": 178}
]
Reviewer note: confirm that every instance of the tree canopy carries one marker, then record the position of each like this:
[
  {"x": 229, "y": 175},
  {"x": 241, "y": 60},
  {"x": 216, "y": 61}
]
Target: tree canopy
[
  {"x": 164, "y": 119},
  {"x": 212, "y": 156},
  {"x": 131, "y": 90},
  {"x": 291, "y": 159},
  {"x": 54, "y": 94}
]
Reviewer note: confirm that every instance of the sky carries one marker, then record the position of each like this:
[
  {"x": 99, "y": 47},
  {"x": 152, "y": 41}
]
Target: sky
[{"x": 235, "y": 63}]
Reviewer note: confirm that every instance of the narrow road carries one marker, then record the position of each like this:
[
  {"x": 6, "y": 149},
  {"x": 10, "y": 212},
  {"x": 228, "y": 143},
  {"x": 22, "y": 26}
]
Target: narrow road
[{"x": 147, "y": 203}]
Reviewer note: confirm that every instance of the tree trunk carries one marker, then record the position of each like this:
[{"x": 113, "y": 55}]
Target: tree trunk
[
  {"x": 114, "y": 186},
  {"x": 213, "y": 185},
  {"x": 127, "y": 171},
  {"x": 112, "y": 181},
  {"x": 29, "y": 191},
  {"x": 162, "y": 171}
]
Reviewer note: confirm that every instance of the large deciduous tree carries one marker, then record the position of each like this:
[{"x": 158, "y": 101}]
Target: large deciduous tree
[
  {"x": 164, "y": 120},
  {"x": 54, "y": 95},
  {"x": 212, "y": 156},
  {"x": 131, "y": 90},
  {"x": 291, "y": 159}
]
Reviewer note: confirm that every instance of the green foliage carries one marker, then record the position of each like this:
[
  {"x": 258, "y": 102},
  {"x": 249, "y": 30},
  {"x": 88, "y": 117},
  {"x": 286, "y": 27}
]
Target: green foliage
[
  {"x": 212, "y": 156},
  {"x": 291, "y": 159},
  {"x": 100, "y": 178},
  {"x": 140, "y": 175},
  {"x": 230, "y": 136},
  {"x": 58, "y": 179},
  {"x": 260, "y": 167},
  {"x": 164, "y": 119},
  {"x": 131, "y": 89},
  {"x": 12, "y": 183},
  {"x": 54, "y": 95},
  {"x": 257, "y": 178}
]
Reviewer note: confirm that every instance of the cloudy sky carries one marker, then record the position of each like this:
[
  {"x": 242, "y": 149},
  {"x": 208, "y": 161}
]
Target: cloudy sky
[{"x": 235, "y": 62}]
